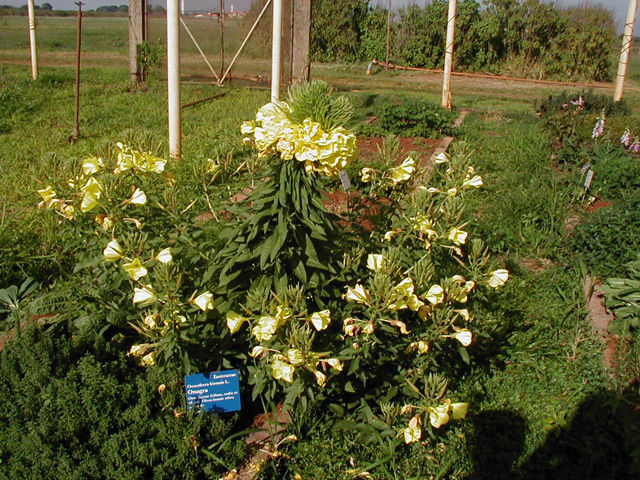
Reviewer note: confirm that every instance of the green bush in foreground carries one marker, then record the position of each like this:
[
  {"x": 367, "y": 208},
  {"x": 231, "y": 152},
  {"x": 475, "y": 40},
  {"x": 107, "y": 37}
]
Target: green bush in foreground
[{"x": 70, "y": 414}]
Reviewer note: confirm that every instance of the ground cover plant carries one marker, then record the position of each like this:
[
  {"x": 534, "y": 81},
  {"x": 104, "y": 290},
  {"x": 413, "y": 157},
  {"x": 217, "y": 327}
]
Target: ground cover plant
[{"x": 534, "y": 381}]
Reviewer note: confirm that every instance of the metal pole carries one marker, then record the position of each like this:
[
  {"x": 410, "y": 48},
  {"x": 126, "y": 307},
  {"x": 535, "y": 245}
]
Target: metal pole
[
  {"x": 386, "y": 67},
  {"x": 246, "y": 39},
  {"x": 221, "y": 36},
  {"x": 276, "y": 50},
  {"x": 32, "y": 39},
  {"x": 76, "y": 122},
  {"x": 627, "y": 38},
  {"x": 173, "y": 78},
  {"x": 448, "y": 56}
]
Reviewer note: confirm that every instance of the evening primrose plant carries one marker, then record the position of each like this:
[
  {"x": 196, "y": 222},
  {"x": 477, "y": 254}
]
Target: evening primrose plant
[{"x": 119, "y": 214}]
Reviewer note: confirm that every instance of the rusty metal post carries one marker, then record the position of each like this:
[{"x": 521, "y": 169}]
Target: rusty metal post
[{"x": 76, "y": 122}]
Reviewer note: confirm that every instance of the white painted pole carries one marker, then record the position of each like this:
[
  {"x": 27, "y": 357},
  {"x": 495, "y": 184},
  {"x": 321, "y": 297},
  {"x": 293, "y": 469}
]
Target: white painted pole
[
  {"x": 32, "y": 39},
  {"x": 448, "y": 54},
  {"x": 276, "y": 50},
  {"x": 173, "y": 78},
  {"x": 627, "y": 38}
]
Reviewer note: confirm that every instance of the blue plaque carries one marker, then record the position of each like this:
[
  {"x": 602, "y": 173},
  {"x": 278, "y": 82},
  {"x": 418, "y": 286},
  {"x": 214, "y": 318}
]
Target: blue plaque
[{"x": 215, "y": 391}]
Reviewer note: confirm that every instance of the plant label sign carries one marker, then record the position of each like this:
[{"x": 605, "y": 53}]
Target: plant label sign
[
  {"x": 584, "y": 168},
  {"x": 588, "y": 179},
  {"x": 215, "y": 391},
  {"x": 344, "y": 179}
]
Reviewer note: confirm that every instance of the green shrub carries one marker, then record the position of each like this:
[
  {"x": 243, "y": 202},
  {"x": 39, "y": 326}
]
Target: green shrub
[
  {"x": 410, "y": 118},
  {"x": 70, "y": 414},
  {"x": 609, "y": 238},
  {"x": 616, "y": 173}
]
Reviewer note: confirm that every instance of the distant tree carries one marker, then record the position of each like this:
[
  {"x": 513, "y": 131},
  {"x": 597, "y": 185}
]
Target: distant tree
[
  {"x": 46, "y": 6},
  {"x": 107, "y": 8},
  {"x": 123, "y": 8},
  {"x": 158, "y": 9},
  {"x": 23, "y": 7}
]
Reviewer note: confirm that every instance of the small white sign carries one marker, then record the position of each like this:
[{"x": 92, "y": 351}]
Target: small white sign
[
  {"x": 344, "y": 179},
  {"x": 588, "y": 179}
]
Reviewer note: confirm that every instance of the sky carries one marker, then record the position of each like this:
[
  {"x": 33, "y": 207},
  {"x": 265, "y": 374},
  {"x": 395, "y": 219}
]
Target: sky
[{"x": 619, "y": 7}]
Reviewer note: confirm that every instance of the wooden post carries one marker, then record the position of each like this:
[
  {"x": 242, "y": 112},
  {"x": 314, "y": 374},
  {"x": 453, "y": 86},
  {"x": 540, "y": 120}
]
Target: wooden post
[
  {"x": 32, "y": 39},
  {"x": 448, "y": 55},
  {"x": 386, "y": 67},
  {"x": 276, "y": 50},
  {"x": 627, "y": 38},
  {"x": 286, "y": 43},
  {"x": 173, "y": 78},
  {"x": 222, "y": 36},
  {"x": 300, "y": 63},
  {"x": 137, "y": 34}
]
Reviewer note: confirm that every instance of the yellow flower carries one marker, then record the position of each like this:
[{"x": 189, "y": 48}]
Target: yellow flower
[
  {"x": 124, "y": 158},
  {"x": 138, "y": 197},
  {"x": 401, "y": 326},
  {"x": 144, "y": 296},
  {"x": 283, "y": 314},
  {"x": 402, "y": 297},
  {"x": 294, "y": 356},
  {"x": 154, "y": 164},
  {"x": 91, "y": 165},
  {"x": 138, "y": 350},
  {"x": 350, "y": 328},
  {"x": 413, "y": 432},
  {"x": 321, "y": 378},
  {"x": 257, "y": 351},
  {"x": 403, "y": 172},
  {"x": 369, "y": 328},
  {"x": 464, "y": 313},
  {"x": 105, "y": 222},
  {"x": 212, "y": 166},
  {"x": 234, "y": 321},
  {"x": 204, "y": 301},
  {"x": 48, "y": 195},
  {"x": 89, "y": 202},
  {"x": 441, "y": 158},
  {"x": 439, "y": 415},
  {"x": 366, "y": 174},
  {"x": 321, "y": 320},
  {"x": 335, "y": 363},
  {"x": 498, "y": 278},
  {"x": 281, "y": 370},
  {"x": 265, "y": 329},
  {"x": 375, "y": 262},
  {"x": 391, "y": 233},
  {"x": 164, "y": 256},
  {"x": 421, "y": 346},
  {"x": 465, "y": 337},
  {"x": 475, "y": 181},
  {"x": 92, "y": 186},
  {"x": 435, "y": 295},
  {"x": 135, "y": 269},
  {"x": 452, "y": 192},
  {"x": 358, "y": 294},
  {"x": 459, "y": 237},
  {"x": 112, "y": 251},
  {"x": 148, "y": 360},
  {"x": 67, "y": 211},
  {"x": 151, "y": 321},
  {"x": 459, "y": 410}
]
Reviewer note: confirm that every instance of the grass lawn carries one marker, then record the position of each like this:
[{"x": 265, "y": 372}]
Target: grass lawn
[{"x": 542, "y": 404}]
